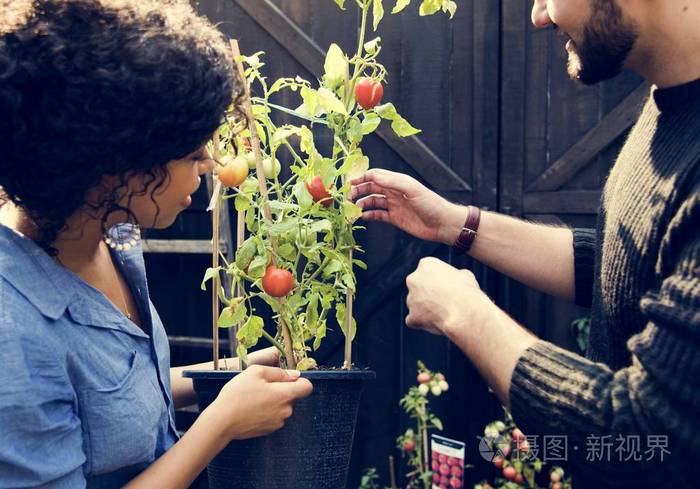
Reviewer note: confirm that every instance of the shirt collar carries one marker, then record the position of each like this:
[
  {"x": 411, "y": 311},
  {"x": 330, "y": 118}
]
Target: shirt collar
[
  {"x": 53, "y": 289},
  {"x": 23, "y": 262}
]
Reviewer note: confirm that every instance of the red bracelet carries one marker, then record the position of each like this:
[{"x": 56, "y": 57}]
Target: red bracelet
[{"x": 469, "y": 231}]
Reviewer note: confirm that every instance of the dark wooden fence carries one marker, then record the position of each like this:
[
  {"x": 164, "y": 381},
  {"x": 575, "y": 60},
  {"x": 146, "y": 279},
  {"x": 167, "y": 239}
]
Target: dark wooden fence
[{"x": 503, "y": 128}]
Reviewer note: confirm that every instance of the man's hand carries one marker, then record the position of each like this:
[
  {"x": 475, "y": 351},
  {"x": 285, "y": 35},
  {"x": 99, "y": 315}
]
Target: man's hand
[
  {"x": 407, "y": 204},
  {"x": 441, "y": 297}
]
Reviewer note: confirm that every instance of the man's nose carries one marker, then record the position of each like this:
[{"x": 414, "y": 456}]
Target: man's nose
[{"x": 540, "y": 17}]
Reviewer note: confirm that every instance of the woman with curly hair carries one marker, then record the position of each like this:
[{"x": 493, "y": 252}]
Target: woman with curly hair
[{"x": 105, "y": 109}]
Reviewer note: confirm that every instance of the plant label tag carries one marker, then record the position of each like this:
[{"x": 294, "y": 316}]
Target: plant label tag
[{"x": 447, "y": 462}]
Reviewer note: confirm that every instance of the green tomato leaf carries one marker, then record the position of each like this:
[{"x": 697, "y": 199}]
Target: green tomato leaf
[
  {"x": 400, "y": 5},
  {"x": 351, "y": 212},
  {"x": 330, "y": 102},
  {"x": 208, "y": 275},
  {"x": 377, "y": 12},
  {"x": 340, "y": 317},
  {"x": 251, "y": 332},
  {"x": 242, "y": 353},
  {"x": 306, "y": 364},
  {"x": 429, "y": 7},
  {"x": 232, "y": 315},
  {"x": 370, "y": 123},
  {"x": 372, "y": 47},
  {"x": 335, "y": 67},
  {"x": 401, "y": 126},
  {"x": 320, "y": 334},
  {"x": 340, "y": 3},
  {"x": 287, "y": 251},
  {"x": 258, "y": 267},
  {"x": 311, "y": 101}
]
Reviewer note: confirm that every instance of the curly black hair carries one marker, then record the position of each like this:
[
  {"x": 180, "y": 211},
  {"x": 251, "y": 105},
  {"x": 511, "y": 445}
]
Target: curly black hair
[{"x": 91, "y": 88}]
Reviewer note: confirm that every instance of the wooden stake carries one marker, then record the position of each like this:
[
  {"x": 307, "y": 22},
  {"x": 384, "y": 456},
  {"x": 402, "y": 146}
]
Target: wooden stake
[
  {"x": 240, "y": 237},
  {"x": 215, "y": 260},
  {"x": 348, "y": 324},
  {"x": 247, "y": 108},
  {"x": 392, "y": 472}
]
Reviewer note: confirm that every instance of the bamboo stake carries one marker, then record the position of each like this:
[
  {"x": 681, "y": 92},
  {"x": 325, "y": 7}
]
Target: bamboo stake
[
  {"x": 348, "y": 324},
  {"x": 392, "y": 472},
  {"x": 215, "y": 260},
  {"x": 267, "y": 214},
  {"x": 240, "y": 237}
]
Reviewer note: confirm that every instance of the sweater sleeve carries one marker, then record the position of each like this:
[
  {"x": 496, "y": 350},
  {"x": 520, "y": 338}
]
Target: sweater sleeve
[
  {"x": 656, "y": 399},
  {"x": 584, "y": 263}
]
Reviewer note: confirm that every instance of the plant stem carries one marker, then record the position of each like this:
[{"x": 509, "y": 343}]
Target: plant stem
[{"x": 274, "y": 343}]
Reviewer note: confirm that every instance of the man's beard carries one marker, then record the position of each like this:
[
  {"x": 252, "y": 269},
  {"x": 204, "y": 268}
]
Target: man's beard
[{"x": 607, "y": 41}]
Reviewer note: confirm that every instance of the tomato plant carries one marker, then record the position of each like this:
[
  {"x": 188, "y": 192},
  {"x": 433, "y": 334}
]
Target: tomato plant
[{"x": 310, "y": 248}]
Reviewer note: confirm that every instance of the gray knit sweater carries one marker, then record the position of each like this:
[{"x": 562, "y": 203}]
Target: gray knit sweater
[{"x": 637, "y": 394}]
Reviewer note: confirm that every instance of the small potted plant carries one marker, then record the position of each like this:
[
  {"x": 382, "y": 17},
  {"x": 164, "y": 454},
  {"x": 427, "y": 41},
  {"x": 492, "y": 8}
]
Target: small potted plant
[{"x": 296, "y": 250}]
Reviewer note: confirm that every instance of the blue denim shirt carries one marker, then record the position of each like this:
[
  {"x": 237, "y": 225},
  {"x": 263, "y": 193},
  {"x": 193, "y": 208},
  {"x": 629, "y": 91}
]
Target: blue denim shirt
[{"x": 85, "y": 397}]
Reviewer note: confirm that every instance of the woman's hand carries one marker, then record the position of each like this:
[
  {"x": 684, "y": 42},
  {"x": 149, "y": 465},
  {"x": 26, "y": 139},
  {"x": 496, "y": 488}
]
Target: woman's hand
[
  {"x": 409, "y": 205},
  {"x": 258, "y": 401}
]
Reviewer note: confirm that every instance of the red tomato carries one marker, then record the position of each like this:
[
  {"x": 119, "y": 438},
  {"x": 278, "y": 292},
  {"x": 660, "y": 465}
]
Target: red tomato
[
  {"x": 318, "y": 191},
  {"x": 436, "y": 479},
  {"x": 435, "y": 466},
  {"x": 455, "y": 483},
  {"x": 423, "y": 378},
  {"x": 444, "y": 469},
  {"x": 556, "y": 485},
  {"x": 510, "y": 473},
  {"x": 456, "y": 470},
  {"x": 409, "y": 445},
  {"x": 277, "y": 282},
  {"x": 442, "y": 458},
  {"x": 518, "y": 435},
  {"x": 234, "y": 172},
  {"x": 498, "y": 462},
  {"x": 368, "y": 93},
  {"x": 518, "y": 479}
]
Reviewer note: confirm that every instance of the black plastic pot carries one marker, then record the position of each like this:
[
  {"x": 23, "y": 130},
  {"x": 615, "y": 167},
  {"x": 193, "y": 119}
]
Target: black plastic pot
[{"x": 313, "y": 449}]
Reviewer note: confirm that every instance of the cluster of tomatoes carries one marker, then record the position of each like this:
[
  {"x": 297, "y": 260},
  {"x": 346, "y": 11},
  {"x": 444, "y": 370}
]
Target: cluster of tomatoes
[
  {"x": 447, "y": 471},
  {"x": 234, "y": 169},
  {"x": 435, "y": 384},
  {"x": 502, "y": 461}
]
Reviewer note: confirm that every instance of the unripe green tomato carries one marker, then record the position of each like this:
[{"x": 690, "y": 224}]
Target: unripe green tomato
[
  {"x": 250, "y": 158},
  {"x": 271, "y": 169},
  {"x": 436, "y": 390},
  {"x": 500, "y": 425},
  {"x": 444, "y": 385},
  {"x": 424, "y": 389}
]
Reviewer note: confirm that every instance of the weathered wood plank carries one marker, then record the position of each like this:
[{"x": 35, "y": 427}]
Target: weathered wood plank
[
  {"x": 513, "y": 96},
  {"x": 605, "y": 132},
  {"x": 416, "y": 153},
  {"x": 191, "y": 246},
  {"x": 562, "y": 202}
]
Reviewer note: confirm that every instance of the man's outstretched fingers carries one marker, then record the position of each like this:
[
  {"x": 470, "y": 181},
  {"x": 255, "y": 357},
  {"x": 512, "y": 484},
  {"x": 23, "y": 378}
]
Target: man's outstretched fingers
[{"x": 373, "y": 202}]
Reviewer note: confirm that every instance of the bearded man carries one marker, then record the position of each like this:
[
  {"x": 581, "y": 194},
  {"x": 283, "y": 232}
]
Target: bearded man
[{"x": 639, "y": 271}]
